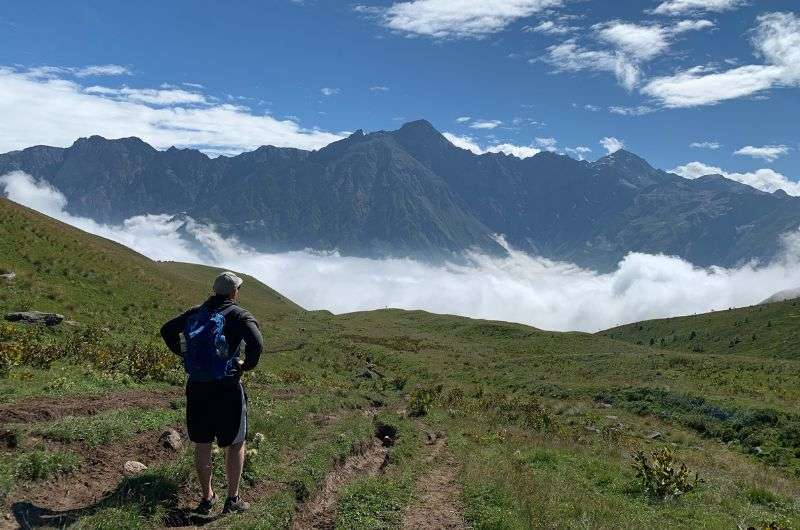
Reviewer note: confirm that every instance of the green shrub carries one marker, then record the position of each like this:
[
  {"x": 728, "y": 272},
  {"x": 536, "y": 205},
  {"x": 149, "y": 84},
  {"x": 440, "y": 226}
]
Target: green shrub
[{"x": 661, "y": 476}]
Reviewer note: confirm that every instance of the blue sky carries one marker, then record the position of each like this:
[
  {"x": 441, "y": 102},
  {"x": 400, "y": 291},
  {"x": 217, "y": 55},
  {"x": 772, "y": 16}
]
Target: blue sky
[{"x": 524, "y": 75}]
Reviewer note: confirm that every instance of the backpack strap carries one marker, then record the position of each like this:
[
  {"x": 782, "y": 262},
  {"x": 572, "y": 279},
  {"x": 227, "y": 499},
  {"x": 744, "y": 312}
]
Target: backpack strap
[{"x": 228, "y": 310}]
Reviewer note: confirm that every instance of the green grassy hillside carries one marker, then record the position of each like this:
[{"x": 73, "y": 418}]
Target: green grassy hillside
[
  {"x": 378, "y": 419},
  {"x": 766, "y": 330}
]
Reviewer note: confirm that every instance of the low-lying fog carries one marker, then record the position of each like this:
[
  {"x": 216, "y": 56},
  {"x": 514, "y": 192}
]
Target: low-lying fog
[{"x": 519, "y": 288}]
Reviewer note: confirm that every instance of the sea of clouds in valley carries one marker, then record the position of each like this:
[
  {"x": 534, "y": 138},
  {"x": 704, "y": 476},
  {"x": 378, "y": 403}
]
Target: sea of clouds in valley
[{"x": 519, "y": 287}]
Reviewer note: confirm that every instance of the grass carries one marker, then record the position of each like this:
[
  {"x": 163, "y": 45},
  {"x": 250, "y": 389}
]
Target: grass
[
  {"x": 109, "y": 426},
  {"x": 767, "y": 330},
  {"x": 41, "y": 464},
  {"x": 543, "y": 426}
]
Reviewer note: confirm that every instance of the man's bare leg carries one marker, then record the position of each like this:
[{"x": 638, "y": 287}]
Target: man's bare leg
[
  {"x": 202, "y": 463},
  {"x": 234, "y": 463}
]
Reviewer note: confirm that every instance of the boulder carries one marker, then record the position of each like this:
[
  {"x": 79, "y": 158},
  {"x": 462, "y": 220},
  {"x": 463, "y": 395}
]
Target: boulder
[
  {"x": 9, "y": 276},
  {"x": 171, "y": 439},
  {"x": 654, "y": 435},
  {"x": 132, "y": 467},
  {"x": 35, "y": 317}
]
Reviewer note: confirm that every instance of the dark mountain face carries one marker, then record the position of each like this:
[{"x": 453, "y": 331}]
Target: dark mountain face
[{"x": 411, "y": 192}]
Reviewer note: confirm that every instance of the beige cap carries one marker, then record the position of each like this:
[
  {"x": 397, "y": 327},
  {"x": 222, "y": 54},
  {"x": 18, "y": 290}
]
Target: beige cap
[{"x": 226, "y": 283}]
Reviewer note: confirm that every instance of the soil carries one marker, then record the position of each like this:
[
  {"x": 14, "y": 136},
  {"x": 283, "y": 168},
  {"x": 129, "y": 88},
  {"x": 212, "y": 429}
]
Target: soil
[
  {"x": 47, "y": 408},
  {"x": 437, "y": 504},
  {"x": 320, "y": 512}
]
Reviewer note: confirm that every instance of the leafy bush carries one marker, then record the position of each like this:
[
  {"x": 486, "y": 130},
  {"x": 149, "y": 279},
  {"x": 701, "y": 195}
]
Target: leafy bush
[
  {"x": 661, "y": 476},
  {"x": 422, "y": 399}
]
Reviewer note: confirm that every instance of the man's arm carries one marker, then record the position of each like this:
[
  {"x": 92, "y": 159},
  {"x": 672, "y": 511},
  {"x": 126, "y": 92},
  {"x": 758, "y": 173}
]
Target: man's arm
[
  {"x": 254, "y": 342},
  {"x": 171, "y": 332}
]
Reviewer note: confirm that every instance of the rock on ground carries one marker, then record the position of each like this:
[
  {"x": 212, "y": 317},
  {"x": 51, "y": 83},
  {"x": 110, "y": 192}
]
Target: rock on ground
[
  {"x": 132, "y": 467},
  {"x": 171, "y": 439},
  {"x": 35, "y": 317}
]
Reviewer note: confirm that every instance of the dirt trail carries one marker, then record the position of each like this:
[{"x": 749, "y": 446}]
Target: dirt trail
[
  {"x": 437, "y": 496},
  {"x": 45, "y": 408},
  {"x": 320, "y": 512}
]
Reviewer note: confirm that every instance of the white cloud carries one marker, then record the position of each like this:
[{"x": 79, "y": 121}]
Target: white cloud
[
  {"x": 485, "y": 124},
  {"x": 95, "y": 70},
  {"x": 705, "y": 145},
  {"x": 776, "y": 40},
  {"x": 762, "y": 179},
  {"x": 463, "y": 119},
  {"x": 56, "y": 111},
  {"x": 445, "y": 19},
  {"x": 591, "y": 108},
  {"x": 327, "y": 91},
  {"x": 578, "y": 152},
  {"x": 151, "y": 96},
  {"x": 548, "y": 144},
  {"x": 379, "y": 88},
  {"x": 550, "y": 27},
  {"x": 517, "y": 288},
  {"x": 639, "y": 110},
  {"x": 470, "y": 144},
  {"x": 766, "y": 152},
  {"x": 687, "y": 7},
  {"x": 631, "y": 45},
  {"x": 611, "y": 144}
]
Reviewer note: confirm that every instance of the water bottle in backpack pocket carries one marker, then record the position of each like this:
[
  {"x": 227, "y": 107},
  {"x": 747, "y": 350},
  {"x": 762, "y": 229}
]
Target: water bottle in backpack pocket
[{"x": 206, "y": 354}]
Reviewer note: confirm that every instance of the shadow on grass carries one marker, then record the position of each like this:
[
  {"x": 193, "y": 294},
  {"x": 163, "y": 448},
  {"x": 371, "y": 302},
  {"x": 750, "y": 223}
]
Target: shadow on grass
[{"x": 144, "y": 496}]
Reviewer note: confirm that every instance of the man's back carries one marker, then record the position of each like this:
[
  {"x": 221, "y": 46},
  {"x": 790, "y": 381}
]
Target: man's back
[{"x": 240, "y": 326}]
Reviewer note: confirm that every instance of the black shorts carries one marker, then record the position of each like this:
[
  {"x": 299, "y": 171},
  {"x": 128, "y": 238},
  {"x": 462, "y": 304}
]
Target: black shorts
[{"x": 216, "y": 410}]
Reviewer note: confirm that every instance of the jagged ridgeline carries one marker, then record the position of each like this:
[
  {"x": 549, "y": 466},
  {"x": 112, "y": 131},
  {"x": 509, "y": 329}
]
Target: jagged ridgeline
[
  {"x": 384, "y": 419},
  {"x": 410, "y": 192}
]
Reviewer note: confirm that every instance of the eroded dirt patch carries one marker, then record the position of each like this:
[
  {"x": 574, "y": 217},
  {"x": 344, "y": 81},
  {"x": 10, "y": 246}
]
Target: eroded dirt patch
[
  {"x": 59, "y": 499},
  {"x": 53, "y": 408},
  {"x": 320, "y": 512}
]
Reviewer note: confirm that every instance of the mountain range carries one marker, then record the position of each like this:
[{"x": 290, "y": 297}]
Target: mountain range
[{"x": 411, "y": 192}]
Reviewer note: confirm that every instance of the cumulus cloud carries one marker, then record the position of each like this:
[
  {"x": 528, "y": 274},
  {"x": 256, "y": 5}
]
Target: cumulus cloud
[
  {"x": 765, "y": 152},
  {"x": 705, "y": 145},
  {"x": 485, "y": 124},
  {"x": 688, "y": 7},
  {"x": 470, "y": 144},
  {"x": 631, "y": 45},
  {"x": 445, "y": 19},
  {"x": 53, "y": 110},
  {"x": 776, "y": 40},
  {"x": 518, "y": 288},
  {"x": 611, "y": 144},
  {"x": 761, "y": 179},
  {"x": 462, "y": 119},
  {"x": 578, "y": 152},
  {"x": 327, "y": 91}
]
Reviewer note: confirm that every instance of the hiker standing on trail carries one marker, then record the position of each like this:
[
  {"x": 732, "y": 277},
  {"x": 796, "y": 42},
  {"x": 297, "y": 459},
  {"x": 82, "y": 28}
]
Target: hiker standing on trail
[{"x": 209, "y": 338}]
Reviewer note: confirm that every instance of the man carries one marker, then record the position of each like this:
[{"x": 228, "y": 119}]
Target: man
[{"x": 209, "y": 338}]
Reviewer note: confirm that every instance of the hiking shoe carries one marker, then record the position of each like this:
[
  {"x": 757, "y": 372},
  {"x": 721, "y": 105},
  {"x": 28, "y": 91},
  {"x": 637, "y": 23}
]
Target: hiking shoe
[
  {"x": 205, "y": 506},
  {"x": 235, "y": 505}
]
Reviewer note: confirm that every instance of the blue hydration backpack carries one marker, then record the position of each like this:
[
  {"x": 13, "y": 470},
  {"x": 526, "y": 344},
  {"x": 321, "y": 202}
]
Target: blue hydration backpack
[{"x": 206, "y": 356}]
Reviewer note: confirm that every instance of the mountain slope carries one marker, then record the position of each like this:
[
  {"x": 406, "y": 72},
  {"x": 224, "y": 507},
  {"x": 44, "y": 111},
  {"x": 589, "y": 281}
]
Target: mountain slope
[
  {"x": 93, "y": 280},
  {"x": 764, "y": 330},
  {"x": 411, "y": 192}
]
